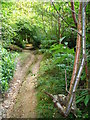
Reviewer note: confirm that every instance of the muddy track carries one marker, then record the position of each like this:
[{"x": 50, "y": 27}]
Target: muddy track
[{"x": 21, "y": 99}]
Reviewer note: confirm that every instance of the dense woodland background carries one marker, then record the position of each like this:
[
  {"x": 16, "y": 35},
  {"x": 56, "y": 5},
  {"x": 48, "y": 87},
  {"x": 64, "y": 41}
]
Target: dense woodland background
[{"x": 39, "y": 24}]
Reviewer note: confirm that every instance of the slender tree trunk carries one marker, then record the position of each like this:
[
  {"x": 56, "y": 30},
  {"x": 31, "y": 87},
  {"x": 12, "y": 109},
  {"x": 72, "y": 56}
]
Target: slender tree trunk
[
  {"x": 78, "y": 49},
  {"x": 86, "y": 68},
  {"x": 83, "y": 48},
  {"x": 59, "y": 26},
  {"x": 73, "y": 12}
]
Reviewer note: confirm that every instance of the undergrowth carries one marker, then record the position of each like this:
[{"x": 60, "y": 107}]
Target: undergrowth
[{"x": 51, "y": 79}]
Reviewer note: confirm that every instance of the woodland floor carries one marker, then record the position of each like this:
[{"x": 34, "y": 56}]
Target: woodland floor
[{"x": 21, "y": 98}]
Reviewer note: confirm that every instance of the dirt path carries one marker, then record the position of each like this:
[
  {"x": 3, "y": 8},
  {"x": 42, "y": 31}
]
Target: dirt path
[{"x": 21, "y": 99}]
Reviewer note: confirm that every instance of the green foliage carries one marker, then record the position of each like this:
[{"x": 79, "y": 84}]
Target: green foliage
[
  {"x": 46, "y": 44},
  {"x": 82, "y": 100},
  {"x": 7, "y": 68},
  {"x": 21, "y": 24},
  {"x": 83, "y": 96},
  {"x": 33, "y": 22},
  {"x": 52, "y": 78},
  {"x": 37, "y": 23}
]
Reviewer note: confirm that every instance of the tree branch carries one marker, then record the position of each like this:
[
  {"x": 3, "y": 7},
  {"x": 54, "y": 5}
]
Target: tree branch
[
  {"x": 66, "y": 82},
  {"x": 50, "y": 95},
  {"x": 78, "y": 49},
  {"x": 73, "y": 12},
  {"x": 76, "y": 31},
  {"x": 60, "y": 14},
  {"x": 86, "y": 4}
]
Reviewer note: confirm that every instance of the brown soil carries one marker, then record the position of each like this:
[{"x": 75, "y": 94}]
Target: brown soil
[{"x": 21, "y": 99}]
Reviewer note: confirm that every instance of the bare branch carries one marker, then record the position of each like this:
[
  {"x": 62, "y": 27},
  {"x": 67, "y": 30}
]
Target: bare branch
[
  {"x": 73, "y": 13},
  {"x": 76, "y": 31},
  {"x": 66, "y": 79},
  {"x": 72, "y": 10},
  {"x": 50, "y": 95},
  {"x": 86, "y": 3},
  {"x": 60, "y": 14},
  {"x": 66, "y": 82}
]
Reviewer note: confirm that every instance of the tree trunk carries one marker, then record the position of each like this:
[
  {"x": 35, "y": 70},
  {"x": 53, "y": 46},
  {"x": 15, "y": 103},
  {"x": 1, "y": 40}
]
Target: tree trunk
[{"x": 78, "y": 49}]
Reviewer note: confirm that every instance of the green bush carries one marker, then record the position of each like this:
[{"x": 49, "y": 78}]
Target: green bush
[{"x": 7, "y": 68}]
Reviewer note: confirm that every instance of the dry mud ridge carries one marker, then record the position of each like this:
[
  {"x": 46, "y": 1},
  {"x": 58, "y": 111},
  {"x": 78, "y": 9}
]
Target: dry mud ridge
[{"x": 20, "y": 101}]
